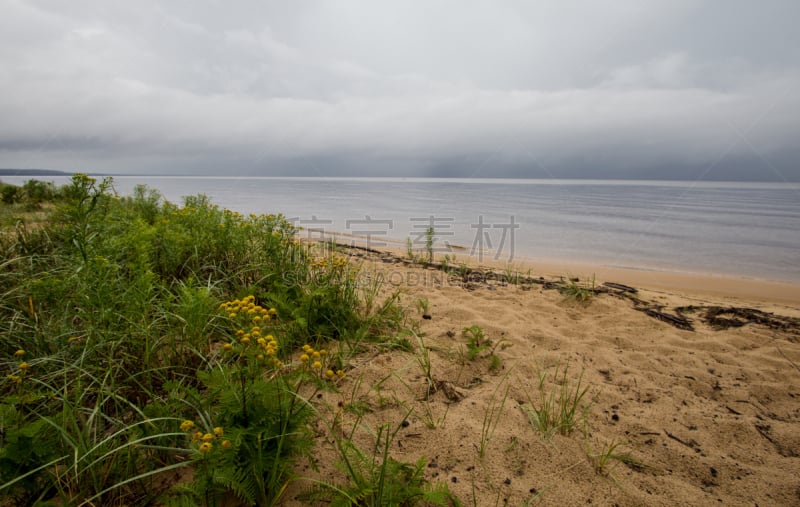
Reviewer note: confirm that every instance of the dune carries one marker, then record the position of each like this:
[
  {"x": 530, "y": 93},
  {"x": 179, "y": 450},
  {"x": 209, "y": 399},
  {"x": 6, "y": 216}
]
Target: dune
[{"x": 671, "y": 416}]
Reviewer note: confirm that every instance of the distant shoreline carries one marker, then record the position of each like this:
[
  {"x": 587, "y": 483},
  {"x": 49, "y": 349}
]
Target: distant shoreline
[
  {"x": 687, "y": 283},
  {"x": 406, "y": 179},
  {"x": 33, "y": 172}
]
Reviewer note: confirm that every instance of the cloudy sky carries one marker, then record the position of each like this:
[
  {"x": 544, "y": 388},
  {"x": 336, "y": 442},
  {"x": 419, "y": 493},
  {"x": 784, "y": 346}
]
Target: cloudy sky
[{"x": 596, "y": 88}]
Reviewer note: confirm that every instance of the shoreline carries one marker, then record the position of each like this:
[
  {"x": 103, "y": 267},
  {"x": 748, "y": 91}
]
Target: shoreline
[{"x": 765, "y": 293}]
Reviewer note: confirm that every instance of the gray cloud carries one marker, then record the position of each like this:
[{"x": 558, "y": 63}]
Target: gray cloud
[{"x": 595, "y": 89}]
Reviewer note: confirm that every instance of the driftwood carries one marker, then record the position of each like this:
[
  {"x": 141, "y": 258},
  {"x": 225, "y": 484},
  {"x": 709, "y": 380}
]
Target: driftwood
[
  {"x": 715, "y": 316},
  {"x": 678, "y": 321},
  {"x": 732, "y": 316},
  {"x": 621, "y": 287}
]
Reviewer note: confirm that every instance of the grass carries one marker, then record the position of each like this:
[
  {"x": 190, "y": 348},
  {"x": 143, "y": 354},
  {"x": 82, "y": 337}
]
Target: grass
[
  {"x": 492, "y": 415},
  {"x": 609, "y": 456},
  {"x": 430, "y": 236},
  {"x": 423, "y": 360},
  {"x": 423, "y": 305},
  {"x": 139, "y": 336},
  {"x": 375, "y": 478},
  {"x": 558, "y": 405},
  {"x": 575, "y": 290}
]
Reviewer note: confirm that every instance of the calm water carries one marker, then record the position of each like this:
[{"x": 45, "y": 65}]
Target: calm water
[{"x": 748, "y": 229}]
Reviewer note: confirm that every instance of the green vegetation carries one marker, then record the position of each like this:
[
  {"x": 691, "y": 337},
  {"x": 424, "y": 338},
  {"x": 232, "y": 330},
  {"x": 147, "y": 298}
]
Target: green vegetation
[
  {"x": 376, "y": 479},
  {"x": 581, "y": 292},
  {"x": 429, "y": 239},
  {"x": 477, "y": 343},
  {"x": 138, "y": 337},
  {"x": 558, "y": 405},
  {"x": 492, "y": 415},
  {"x": 609, "y": 456}
]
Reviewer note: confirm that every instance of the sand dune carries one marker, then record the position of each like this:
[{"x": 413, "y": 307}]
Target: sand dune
[{"x": 707, "y": 416}]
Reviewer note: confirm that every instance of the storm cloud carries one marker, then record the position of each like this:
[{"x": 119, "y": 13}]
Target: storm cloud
[{"x": 625, "y": 89}]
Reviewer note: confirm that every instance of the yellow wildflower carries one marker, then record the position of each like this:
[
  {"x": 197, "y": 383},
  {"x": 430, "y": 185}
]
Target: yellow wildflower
[
  {"x": 317, "y": 365},
  {"x": 339, "y": 373},
  {"x": 227, "y": 347},
  {"x": 23, "y": 366},
  {"x": 329, "y": 374},
  {"x": 304, "y": 358},
  {"x": 187, "y": 425},
  {"x": 246, "y": 340},
  {"x": 219, "y": 431},
  {"x": 19, "y": 353},
  {"x": 226, "y": 444},
  {"x": 208, "y": 437},
  {"x": 206, "y": 447}
]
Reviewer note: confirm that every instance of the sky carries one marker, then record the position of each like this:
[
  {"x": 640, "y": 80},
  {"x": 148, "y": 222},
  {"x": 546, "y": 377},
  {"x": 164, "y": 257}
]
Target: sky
[{"x": 673, "y": 89}]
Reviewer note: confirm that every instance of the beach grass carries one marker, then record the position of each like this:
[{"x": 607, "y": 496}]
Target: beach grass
[{"x": 141, "y": 337}]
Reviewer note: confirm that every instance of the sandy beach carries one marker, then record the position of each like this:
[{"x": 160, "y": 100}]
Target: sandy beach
[{"x": 704, "y": 415}]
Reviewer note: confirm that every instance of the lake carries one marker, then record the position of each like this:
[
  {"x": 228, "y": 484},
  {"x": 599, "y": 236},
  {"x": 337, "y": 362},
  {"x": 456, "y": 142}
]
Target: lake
[{"x": 731, "y": 228}]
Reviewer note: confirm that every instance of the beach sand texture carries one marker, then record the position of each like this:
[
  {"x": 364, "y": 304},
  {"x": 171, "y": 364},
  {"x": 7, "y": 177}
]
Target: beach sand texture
[{"x": 708, "y": 416}]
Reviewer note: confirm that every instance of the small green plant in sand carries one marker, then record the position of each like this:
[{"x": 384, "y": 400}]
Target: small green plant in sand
[
  {"x": 609, "y": 456},
  {"x": 423, "y": 360},
  {"x": 423, "y": 305},
  {"x": 492, "y": 415},
  {"x": 429, "y": 239},
  {"x": 511, "y": 274},
  {"x": 477, "y": 343},
  {"x": 576, "y": 290},
  {"x": 559, "y": 403},
  {"x": 447, "y": 262}
]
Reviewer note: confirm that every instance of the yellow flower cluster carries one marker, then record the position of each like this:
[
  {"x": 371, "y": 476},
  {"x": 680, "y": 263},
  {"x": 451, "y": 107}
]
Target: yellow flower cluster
[
  {"x": 267, "y": 346},
  {"x": 334, "y": 262},
  {"x": 315, "y": 358},
  {"x": 248, "y": 308},
  {"x": 234, "y": 214},
  {"x": 23, "y": 368},
  {"x": 205, "y": 440},
  {"x": 183, "y": 212}
]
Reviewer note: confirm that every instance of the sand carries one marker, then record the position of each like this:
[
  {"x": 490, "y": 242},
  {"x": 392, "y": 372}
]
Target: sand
[{"x": 707, "y": 416}]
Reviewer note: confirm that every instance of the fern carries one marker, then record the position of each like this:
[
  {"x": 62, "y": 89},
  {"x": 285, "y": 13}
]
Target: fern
[{"x": 240, "y": 481}]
